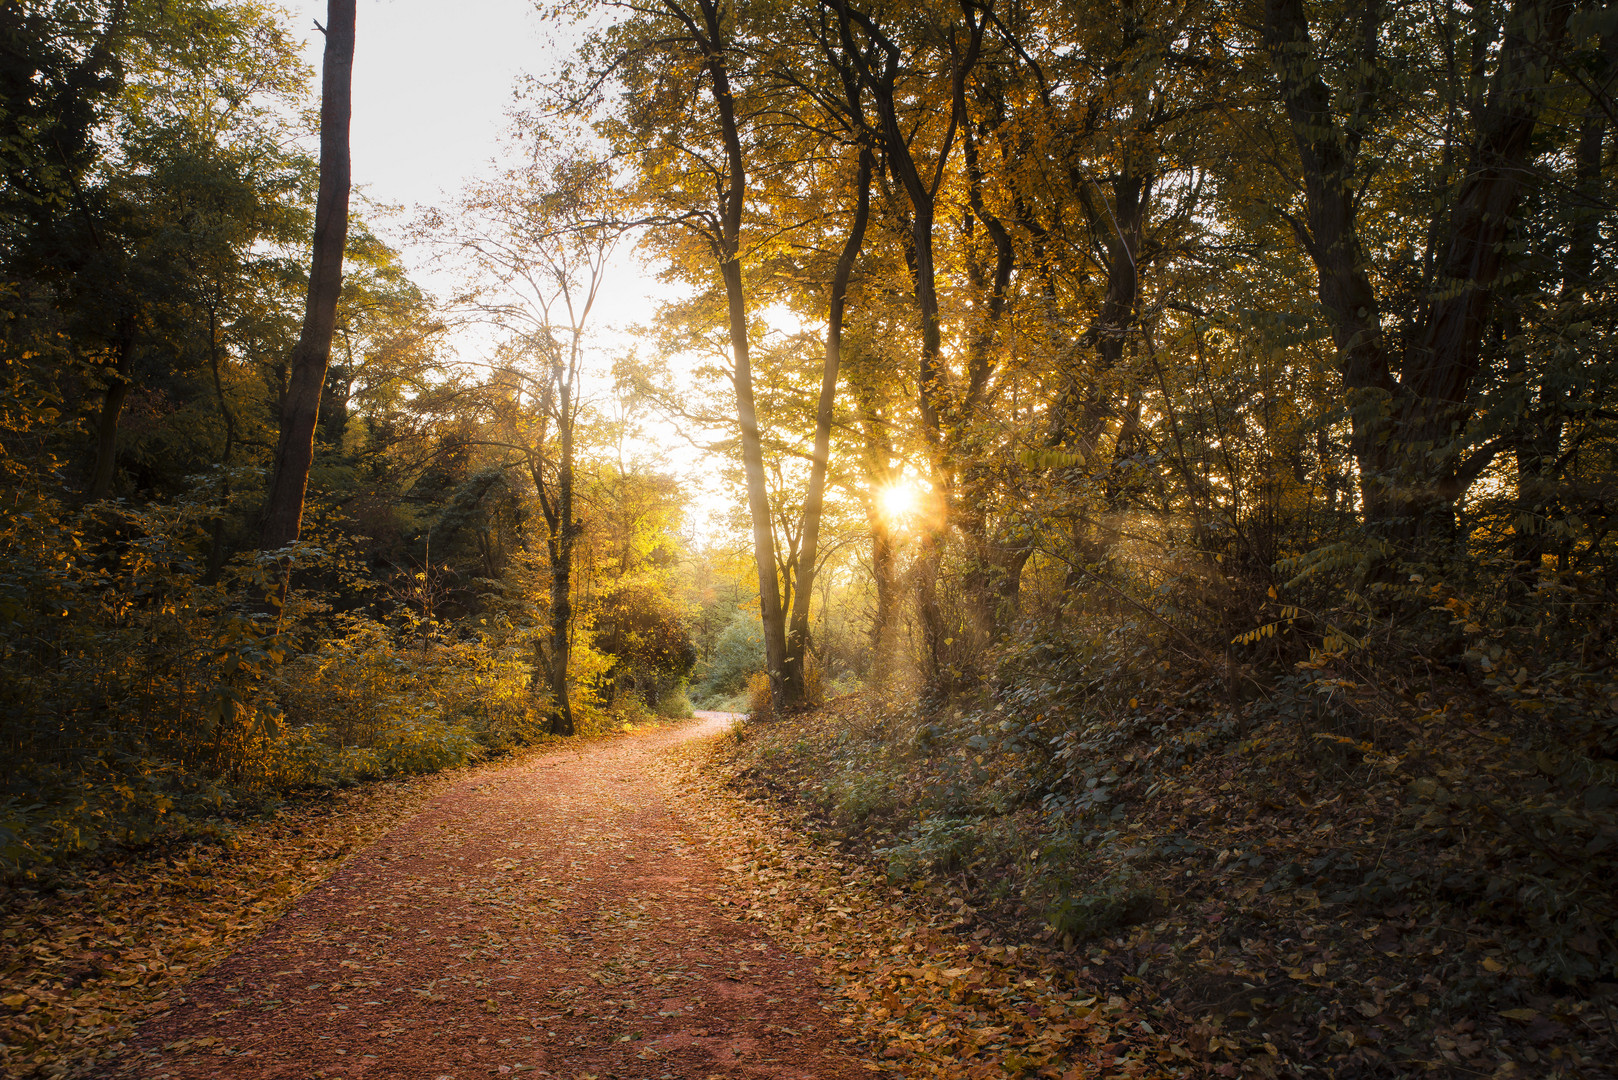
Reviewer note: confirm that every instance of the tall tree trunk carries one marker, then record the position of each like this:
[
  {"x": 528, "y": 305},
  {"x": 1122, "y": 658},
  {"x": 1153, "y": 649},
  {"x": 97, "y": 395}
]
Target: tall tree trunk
[
  {"x": 733, "y": 200},
  {"x": 932, "y": 373},
  {"x": 283, "y": 512},
  {"x": 217, "y": 550},
  {"x": 795, "y": 684},
  {"x": 879, "y": 472},
  {"x": 979, "y": 587},
  {"x": 885, "y": 619},
  {"x": 562, "y": 563},
  {"x": 1407, "y": 427},
  {"x": 112, "y": 407}
]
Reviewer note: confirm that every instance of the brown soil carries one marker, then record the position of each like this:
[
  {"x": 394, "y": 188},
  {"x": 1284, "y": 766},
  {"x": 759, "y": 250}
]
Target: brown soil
[{"x": 560, "y": 917}]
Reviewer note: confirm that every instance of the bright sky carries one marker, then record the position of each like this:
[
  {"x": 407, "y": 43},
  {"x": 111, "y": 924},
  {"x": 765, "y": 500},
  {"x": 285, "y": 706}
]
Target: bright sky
[{"x": 432, "y": 85}]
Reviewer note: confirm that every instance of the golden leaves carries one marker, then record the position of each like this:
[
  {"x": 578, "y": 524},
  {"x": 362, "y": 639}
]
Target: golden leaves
[
  {"x": 94, "y": 957},
  {"x": 916, "y": 997}
]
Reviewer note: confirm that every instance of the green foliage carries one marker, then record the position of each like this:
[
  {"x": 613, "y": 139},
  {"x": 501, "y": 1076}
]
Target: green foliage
[
  {"x": 674, "y": 704},
  {"x": 738, "y": 652},
  {"x": 638, "y": 624},
  {"x": 139, "y": 698},
  {"x": 934, "y": 845},
  {"x": 1106, "y": 908},
  {"x": 854, "y": 797}
]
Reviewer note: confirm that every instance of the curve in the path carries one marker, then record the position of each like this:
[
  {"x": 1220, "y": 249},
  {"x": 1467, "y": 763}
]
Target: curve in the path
[{"x": 553, "y": 918}]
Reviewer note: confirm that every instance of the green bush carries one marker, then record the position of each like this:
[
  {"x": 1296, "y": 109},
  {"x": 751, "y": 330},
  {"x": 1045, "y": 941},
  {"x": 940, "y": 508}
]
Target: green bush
[
  {"x": 855, "y": 797},
  {"x": 737, "y": 654},
  {"x": 938, "y": 845},
  {"x": 1106, "y": 906},
  {"x": 675, "y": 704}
]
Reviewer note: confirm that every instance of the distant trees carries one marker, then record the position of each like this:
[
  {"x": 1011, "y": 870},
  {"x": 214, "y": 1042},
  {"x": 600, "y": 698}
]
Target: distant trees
[{"x": 537, "y": 241}]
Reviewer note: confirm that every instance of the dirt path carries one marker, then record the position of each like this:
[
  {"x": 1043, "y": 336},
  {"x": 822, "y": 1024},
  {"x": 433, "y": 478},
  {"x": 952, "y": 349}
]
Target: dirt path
[{"x": 556, "y": 918}]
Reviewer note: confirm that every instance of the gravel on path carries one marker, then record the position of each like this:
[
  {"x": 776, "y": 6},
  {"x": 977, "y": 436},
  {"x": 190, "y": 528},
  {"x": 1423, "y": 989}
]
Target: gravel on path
[{"x": 556, "y": 918}]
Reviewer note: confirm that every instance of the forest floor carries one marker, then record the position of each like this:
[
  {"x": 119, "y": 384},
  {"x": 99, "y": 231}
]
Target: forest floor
[
  {"x": 1249, "y": 902},
  {"x": 631, "y": 907},
  {"x": 561, "y": 916},
  {"x": 613, "y": 910}
]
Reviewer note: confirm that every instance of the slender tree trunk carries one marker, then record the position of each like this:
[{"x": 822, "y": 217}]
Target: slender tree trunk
[
  {"x": 283, "y": 513},
  {"x": 973, "y": 515},
  {"x": 879, "y": 471},
  {"x": 932, "y": 373},
  {"x": 217, "y": 551},
  {"x": 795, "y": 683},
  {"x": 562, "y": 567},
  {"x": 884, "y": 620},
  {"x": 112, "y": 407},
  {"x": 758, "y": 499},
  {"x": 733, "y": 201}
]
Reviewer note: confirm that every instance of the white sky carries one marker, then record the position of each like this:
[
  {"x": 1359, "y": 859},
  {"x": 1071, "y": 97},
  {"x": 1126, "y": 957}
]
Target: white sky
[{"x": 432, "y": 85}]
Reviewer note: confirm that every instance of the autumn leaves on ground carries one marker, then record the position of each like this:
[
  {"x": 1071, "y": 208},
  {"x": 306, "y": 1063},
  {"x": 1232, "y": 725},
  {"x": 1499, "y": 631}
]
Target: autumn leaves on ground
[
  {"x": 618, "y": 909},
  {"x": 608, "y": 912}
]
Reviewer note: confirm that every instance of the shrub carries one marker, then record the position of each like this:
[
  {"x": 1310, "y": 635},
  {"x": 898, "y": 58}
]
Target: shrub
[
  {"x": 855, "y": 797},
  {"x": 675, "y": 704},
  {"x": 935, "y": 845},
  {"x": 737, "y": 654},
  {"x": 1108, "y": 905},
  {"x": 643, "y": 629},
  {"x": 760, "y": 703}
]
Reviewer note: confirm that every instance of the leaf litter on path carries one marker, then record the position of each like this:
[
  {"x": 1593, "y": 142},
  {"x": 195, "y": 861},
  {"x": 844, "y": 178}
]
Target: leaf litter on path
[
  {"x": 922, "y": 998},
  {"x": 612, "y": 913},
  {"x": 83, "y": 960},
  {"x": 560, "y": 917}
]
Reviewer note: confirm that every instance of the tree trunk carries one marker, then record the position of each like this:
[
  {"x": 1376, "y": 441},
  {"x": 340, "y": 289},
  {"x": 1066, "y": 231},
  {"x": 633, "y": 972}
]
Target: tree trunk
[
  {"x": 795, "y": 685},
  {"x": 884, "y": 620},
  {"x": 758, "y": 499},
  {"x": 112, "y": 407},
  {"x": 733, "y": 200},
  {"x": 932, "y": 373},
  {"x": 1407, "y": 428},
  {"x": 979, "y": 587},
  {"x": 562, "y": 566},
  {"x": 217, "y": 550},
  {"x": 283, "y": 512},
  {"x": 879, "y": 472}
]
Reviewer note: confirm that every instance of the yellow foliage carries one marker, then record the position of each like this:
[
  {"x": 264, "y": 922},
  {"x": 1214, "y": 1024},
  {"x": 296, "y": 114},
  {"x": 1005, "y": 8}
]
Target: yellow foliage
[{"x": 760, "y": 704}]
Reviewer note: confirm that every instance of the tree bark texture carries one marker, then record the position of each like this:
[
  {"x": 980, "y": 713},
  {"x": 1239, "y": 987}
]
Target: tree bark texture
[
  {"x": 733, "y": 200},
  {"x": 932, "y": 376},
  {"x": 564, "y": 534},
  {"x": 112, "y": 406},
  {"x": 283, "y": 512},
  {"x": 797, "y": 644},
  {"x": 1409, "y": 407}
]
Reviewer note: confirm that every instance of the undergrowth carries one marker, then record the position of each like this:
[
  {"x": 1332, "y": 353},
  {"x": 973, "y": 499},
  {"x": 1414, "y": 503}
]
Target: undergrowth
[
  {"x": 1333, "y": 878},
  {"x": 142, "y": 698}
]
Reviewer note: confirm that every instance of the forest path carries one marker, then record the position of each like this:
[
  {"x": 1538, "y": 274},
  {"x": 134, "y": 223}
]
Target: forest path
[{"x": 559, "y": 917}]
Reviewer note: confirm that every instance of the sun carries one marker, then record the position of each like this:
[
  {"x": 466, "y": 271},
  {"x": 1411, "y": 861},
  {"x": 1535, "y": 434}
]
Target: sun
[{"x": 898, "y": 500}]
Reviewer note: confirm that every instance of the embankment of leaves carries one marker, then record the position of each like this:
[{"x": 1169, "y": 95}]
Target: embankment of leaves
[
  {"x": 919, "y": 994},
  {"x": 1432, "y": 895}
]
